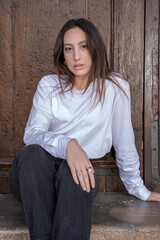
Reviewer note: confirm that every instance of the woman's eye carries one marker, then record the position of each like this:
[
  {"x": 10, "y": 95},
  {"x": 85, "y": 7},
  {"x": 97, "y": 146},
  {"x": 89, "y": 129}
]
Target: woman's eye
[
  {"x": 68, "y": 49},
  {"x": 84, "y": 46}
]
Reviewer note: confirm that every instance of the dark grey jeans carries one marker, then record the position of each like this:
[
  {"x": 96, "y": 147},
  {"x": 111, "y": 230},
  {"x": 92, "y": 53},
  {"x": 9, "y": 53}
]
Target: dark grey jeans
[{"x": 55, "y": 207}]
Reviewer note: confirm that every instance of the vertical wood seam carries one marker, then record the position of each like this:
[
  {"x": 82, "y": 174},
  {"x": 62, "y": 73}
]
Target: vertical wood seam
[
  {"x": 143, "y": 105},
  {"x": 143, "y": 110},
  {"x": 147, "y": 104},
  {"x": 159, "y": 85},
  {"x": 14, "y": 70},
  {"x": 112, "y": 35}
]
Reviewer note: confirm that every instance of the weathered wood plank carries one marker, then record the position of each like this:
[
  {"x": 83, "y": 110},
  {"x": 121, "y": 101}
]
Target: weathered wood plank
[
  {"x": 110, "y": 184},
  {"x": 159, "y": 95},
  {"x": 35, "y": 28},
  {"x": 4, "y": 186},
  {"x": 153, "y": 28},
  {"x": 5, "y": 164},
  {"x": 128, "y": 57},
  {"x": 151, "y": 81},
  {"x": 100, "y": 13},
  {"x": 6, "y": 81},
  {"x": 98, "y": 163}
]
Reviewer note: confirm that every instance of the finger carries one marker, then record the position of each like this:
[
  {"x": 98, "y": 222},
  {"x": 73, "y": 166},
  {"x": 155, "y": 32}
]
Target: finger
[
  {"x": 90, "y": 171},
  {"x": 86, "y": 179},
  {"x": 91, "y": 177},
  {"x": 81, "y": 180},
  {"x": 74, "y": 175}
]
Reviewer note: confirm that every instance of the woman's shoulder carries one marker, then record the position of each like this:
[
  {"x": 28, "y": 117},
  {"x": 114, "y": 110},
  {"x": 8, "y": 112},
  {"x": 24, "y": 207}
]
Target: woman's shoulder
[
  {"x": 49, "y": 81},
  {"x": 118, "y": 83},
  {"x": 48, "y": 85}
]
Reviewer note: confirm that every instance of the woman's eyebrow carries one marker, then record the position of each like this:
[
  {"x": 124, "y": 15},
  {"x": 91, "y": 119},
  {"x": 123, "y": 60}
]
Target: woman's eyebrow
[
  {"x": 81, "y": 42},
  {"x": 68, "y": 44},
  {"x": 85, "y": 41}
]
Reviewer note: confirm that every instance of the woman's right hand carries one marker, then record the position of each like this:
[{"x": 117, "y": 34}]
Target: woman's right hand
[
  {"x": 78, "y": 162},
  {"x": 154, "y": 196}
]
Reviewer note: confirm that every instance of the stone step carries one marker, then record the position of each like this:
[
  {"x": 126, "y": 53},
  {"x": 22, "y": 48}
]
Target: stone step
[{"x": 116, "y": 216}]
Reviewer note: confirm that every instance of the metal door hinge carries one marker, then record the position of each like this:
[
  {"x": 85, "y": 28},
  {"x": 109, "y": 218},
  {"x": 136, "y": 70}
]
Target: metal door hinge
[{"x": 154, "y": 145}]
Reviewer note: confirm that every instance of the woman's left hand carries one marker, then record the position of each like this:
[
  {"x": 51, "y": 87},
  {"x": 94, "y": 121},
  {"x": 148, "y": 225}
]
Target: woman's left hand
[
  {"x": 154, "y": 196},
  {"x": 78, "y": 163}
]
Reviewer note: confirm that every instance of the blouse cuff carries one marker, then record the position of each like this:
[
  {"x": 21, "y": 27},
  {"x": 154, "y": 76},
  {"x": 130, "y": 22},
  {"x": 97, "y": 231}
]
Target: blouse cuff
[
  {"x": 62, "y": 145},
  {"x": 143, "y": 193}
]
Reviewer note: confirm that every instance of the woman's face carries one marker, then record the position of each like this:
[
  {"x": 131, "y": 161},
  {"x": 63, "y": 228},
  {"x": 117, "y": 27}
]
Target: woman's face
[{"x": 76, "y": 54}]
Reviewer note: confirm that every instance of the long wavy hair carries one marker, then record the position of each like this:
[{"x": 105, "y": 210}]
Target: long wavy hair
[{"x": 99, "y": 69}]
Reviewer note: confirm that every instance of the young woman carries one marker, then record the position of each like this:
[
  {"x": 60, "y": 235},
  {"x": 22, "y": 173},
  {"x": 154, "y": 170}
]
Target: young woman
[{"x": 77, "y": 115}]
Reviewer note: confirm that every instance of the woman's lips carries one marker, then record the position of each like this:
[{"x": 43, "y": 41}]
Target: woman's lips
[{"x": 78, "y": 66}]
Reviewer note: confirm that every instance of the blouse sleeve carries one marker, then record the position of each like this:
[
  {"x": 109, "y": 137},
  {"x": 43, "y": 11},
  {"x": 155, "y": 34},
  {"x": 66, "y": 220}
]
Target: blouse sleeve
[
  {"x": 37, "y": 128},
  {"x": 123, "y": 141}
]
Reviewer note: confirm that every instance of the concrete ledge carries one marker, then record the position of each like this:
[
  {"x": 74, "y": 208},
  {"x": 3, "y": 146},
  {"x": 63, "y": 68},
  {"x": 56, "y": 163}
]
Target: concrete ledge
[
  {"x": 116, "y": 216},
  {"x": 111, "y": 233}
]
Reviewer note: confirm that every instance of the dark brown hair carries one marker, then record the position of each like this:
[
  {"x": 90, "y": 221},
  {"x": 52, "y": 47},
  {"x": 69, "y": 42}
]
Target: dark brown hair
[{"x": 100, "y": 68}]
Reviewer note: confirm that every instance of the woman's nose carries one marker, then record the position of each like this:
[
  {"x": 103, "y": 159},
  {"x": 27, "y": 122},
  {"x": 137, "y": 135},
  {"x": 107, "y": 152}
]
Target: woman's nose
[{"x": 77, "y": 54}]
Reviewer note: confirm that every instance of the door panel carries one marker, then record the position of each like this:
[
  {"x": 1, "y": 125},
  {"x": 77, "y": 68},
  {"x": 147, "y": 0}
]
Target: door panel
[
  {"x": 151, "y": 94},
  {"x": 130, "y": 29},
  {"x": 128, "y": 58},
  {"x": 6, "y": 82}
]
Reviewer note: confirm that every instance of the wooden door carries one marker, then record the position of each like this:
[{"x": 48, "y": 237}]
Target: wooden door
[
  {"x": 152, "y": 96},
  {"x": 130, "y": 29}
]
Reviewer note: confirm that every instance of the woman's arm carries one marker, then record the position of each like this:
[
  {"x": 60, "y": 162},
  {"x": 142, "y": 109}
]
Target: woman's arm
[
  {"x": 124, "y": 144},
  {"x": 37, "y": 128}
]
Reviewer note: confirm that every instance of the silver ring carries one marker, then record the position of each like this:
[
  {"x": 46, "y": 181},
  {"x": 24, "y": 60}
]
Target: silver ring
[{"x": 89, "y": 169}]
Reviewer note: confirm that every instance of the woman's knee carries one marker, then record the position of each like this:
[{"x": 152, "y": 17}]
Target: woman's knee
[
  {"x": 33, "y": 156},
  {"x": 30, "y": 150}
]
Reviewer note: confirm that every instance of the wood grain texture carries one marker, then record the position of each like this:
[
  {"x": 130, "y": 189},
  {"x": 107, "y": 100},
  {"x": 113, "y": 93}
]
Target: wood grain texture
[
  {"x": 5, "y": 164},
  {"x": 6, "y": 81},
  {"x": 100, "y": 13},
  {"x": 128, "y": 58},
  {"x": 105, "y": 162},
  {"x": 4, "y": 186},
  {"x": 110, "y": 184},
  {"x": 35, "y": 28},
  {"x": 151, "y": 81},
  {"x": 159, "y": 94},
  {"x": 152, "y": 28}
]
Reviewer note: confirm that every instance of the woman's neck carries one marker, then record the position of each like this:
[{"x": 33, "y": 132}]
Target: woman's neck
[{"x": 80, "y": 82}]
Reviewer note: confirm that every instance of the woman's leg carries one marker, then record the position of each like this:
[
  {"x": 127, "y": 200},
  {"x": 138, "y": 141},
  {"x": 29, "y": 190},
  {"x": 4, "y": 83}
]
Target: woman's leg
[
  {"x": 73, "y": 214},
  {"x": 32, "y": 182}
]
